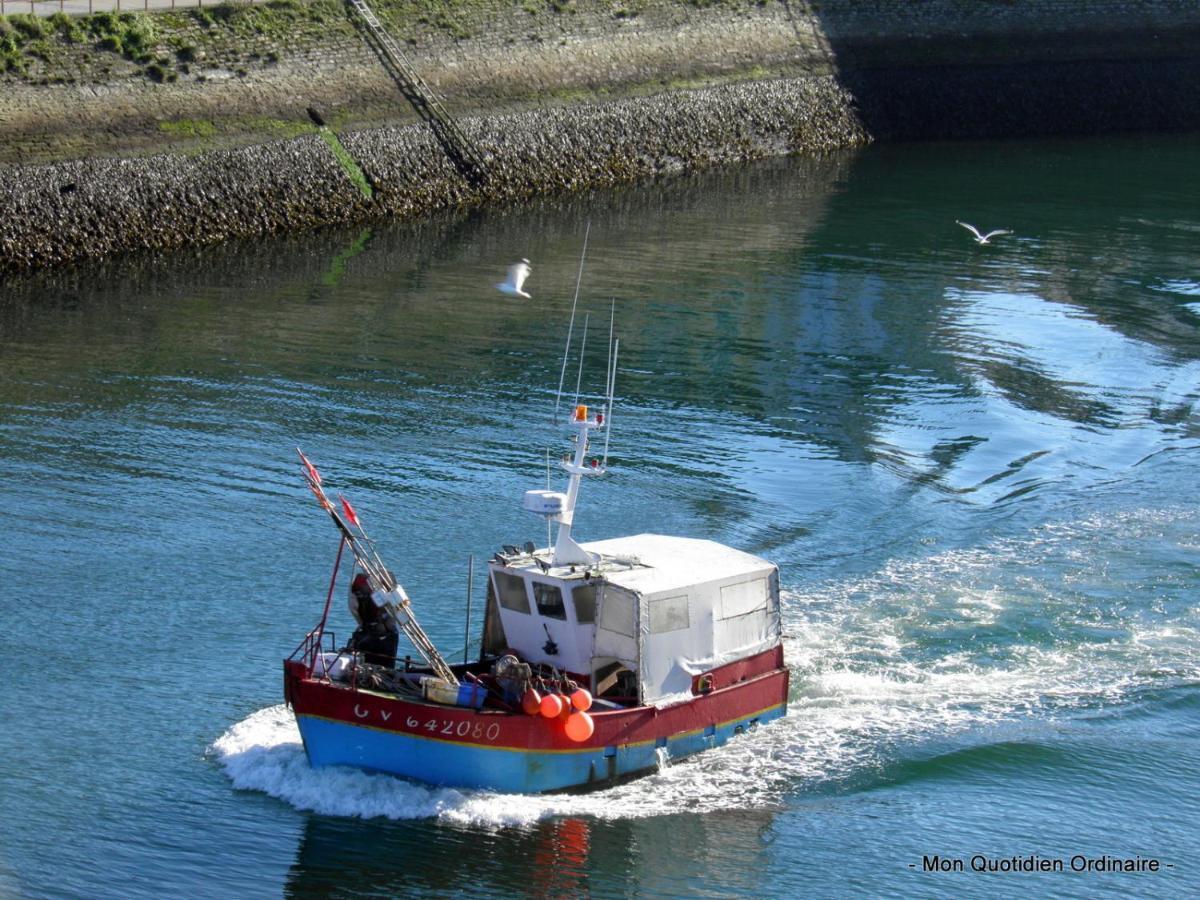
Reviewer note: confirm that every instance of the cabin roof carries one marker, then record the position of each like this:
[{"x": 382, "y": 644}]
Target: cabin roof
[{"x": 668, "y": 563}]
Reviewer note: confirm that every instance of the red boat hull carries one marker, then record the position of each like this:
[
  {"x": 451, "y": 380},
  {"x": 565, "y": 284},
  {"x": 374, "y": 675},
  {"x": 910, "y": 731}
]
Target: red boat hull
[{"x": 507, "y": 751}]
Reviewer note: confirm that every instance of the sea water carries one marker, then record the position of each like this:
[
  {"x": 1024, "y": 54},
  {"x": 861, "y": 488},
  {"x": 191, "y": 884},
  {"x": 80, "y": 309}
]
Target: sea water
[{"x": 976, "y": 467}]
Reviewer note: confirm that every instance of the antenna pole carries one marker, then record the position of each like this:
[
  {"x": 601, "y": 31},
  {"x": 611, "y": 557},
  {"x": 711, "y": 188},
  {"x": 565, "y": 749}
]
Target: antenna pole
[
  {"x": 612, "y": 386},
  {"x": 470, "y": 581},
  {"x": 612, "y": 320},
  {"x": 582, "y": 349},
  {"x": 566, "y": 352}
]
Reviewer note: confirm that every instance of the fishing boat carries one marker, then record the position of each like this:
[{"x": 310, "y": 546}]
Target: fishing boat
[{"x": 599, "y": 660}]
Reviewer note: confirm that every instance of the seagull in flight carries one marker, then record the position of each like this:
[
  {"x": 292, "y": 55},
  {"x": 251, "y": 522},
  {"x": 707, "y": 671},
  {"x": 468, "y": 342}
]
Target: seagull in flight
[
  {"x": 982, "y": 238},
  {"x": 517, "y": 273}
]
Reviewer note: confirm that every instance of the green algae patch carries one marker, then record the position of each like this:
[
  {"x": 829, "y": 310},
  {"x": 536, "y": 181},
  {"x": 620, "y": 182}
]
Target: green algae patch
[
  {"x": 188, "y": 128},
  {"x": 349, "y": 166}
]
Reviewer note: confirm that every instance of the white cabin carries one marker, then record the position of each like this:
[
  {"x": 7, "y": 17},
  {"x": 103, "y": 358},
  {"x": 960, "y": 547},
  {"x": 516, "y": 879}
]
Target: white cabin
[{"x": 642, "y": 621}]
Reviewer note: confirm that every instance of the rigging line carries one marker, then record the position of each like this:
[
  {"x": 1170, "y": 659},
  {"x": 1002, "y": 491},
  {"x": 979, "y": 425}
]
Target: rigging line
[
  {"x": 328, "y": 600},
  {"x": 566, "y": 352}
]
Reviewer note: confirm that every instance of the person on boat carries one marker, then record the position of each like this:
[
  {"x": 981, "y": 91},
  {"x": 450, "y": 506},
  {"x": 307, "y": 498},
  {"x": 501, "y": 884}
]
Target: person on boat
[{"x": 376, "y": 636}]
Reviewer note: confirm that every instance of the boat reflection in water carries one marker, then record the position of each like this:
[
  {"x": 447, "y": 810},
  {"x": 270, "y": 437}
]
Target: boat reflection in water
[
  {"x": 547, "y": 859},
  {"x": 569, "y": 856}
]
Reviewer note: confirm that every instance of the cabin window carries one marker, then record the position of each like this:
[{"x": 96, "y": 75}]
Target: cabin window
[
  {"x": 549, "y": 600},
  {"x": 494, "y": 642},
  {"x": 584, "y": 596},
  {"x": 668, "y": 614},
  {"x": 512, "y": 592},
  {"x": 616, "y": 612},
  {"x": 744, "y": 597}
]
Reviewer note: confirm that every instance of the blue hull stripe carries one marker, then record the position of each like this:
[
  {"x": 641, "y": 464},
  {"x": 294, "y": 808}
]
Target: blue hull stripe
[{"x": 329, "y": 742}]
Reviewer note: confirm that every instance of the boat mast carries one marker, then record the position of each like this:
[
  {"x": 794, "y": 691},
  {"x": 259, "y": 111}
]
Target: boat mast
[
  {"x": 566, "y": 550},
  {"x": 555, "y": 506},
  {"x": 396, "y": 603}
]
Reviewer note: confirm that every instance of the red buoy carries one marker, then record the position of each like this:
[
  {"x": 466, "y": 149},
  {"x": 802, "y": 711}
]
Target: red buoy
[
  {"x": 580, "y": 726},
  {"x": 551, "y": 706},
  {"x": 531, "y": 702}
]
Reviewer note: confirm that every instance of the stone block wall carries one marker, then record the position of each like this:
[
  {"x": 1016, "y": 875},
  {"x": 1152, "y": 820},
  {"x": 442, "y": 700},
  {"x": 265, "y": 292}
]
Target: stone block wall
[{"x": 592, "y": 92}]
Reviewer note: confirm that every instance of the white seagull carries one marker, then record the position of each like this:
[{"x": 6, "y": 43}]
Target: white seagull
[
  {"x": 982, "y": 238},
  {"x": 517, "y": 273}
]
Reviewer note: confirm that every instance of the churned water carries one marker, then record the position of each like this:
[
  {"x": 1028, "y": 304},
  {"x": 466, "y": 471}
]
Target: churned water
[{"x": 975, "y": 465}]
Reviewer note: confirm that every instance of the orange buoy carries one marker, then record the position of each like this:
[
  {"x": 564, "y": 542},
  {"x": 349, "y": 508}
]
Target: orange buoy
[
  {"x": 580, "y": 726},
  {"x": 531, "y": 702},
  {"x": 566, "y": 706},
  {"x": 551, "y": 706},
  {"x": 581, "y": 700}
]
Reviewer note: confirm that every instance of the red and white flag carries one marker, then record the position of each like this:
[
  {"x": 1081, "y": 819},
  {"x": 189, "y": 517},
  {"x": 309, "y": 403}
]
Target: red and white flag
[
  {"x": 349, "y": 511},
  {"x": 313, "y": 475}
]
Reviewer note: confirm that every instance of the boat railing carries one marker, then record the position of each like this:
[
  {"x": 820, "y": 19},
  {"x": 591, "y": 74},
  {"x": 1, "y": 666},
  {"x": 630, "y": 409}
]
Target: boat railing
[{"x": 310, "y": 647}]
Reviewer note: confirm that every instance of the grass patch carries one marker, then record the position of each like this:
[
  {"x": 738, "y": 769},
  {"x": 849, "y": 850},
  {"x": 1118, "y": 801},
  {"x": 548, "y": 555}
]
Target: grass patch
[
  {"x": 276, "y": 19},
  {"x": 160, "y": 70},
  {"x": 12, "y": 45},
  {"x": 189, "y": 128},
  {"x": 143, "y": 37},
  {"x": 134, "y": 33},
  {"x": 24, "y": 37},
  {"x": 67, "y": 28},
  {"x": 460, "y": 19},
  {"x": 165, "y": 43},
  {"x": 29, "y": 27}
]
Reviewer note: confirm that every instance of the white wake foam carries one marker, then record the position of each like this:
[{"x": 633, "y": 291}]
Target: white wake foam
[{"x": 943, "y": 648}]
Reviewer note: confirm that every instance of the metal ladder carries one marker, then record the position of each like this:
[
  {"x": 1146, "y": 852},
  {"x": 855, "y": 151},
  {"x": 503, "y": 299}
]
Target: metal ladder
[{"x": 423, "y": 99}]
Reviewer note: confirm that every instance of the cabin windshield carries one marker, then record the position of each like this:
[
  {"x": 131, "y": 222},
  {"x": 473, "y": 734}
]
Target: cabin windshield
[
  {"x": 494, "y": 643},
  {"x": 512, "y": 592},
  {"x": 549, "y": 600},
  {"x": 545, "y": 621},
  {"x": 584, "y": 596}
]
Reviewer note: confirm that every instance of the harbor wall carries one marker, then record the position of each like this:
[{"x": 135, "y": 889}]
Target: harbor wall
[{"x": 211, "y": 130}]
